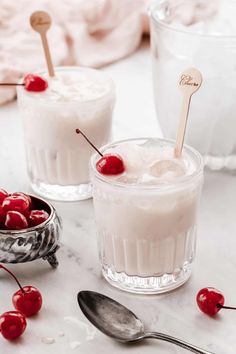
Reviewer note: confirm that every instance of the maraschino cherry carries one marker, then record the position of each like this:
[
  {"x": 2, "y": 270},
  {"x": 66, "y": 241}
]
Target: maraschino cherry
[
  {"x": 37, "y": 217},
  {"x": 3, "y": 195},
  {"x": 108, "y": 164},
  {"x": 27, "y": 299},
  {"x": 2, "y": 217},
  {"x": 12, "y": 324},
  {"x": 15, "y": 221},
  {"x": 18, "y": 203},
  {"x": 25, "y": 196},
  {"x": 16, "y": 211},
  {"x": 210, "y": 301},
  {"x": 35, "y": 83},
  {"x": 32, "y": 83}
]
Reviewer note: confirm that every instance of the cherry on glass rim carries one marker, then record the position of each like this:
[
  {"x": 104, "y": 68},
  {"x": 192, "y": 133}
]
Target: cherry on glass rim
[
  {"x": 31, "y": 83},
  {"x": 108, "y": 164},
  {"x": 35, "y": 83}
]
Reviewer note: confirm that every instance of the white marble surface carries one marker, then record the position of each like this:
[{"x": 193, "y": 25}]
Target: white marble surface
[{"x": 174, "y": 313}]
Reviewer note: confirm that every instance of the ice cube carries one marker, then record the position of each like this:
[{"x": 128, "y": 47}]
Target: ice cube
[
  {"x": 167, "y": 169},
  {"x": 131, "y": 155}
]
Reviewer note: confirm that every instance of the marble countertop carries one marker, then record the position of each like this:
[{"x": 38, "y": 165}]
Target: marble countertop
[{"x": 173, "y": 313}]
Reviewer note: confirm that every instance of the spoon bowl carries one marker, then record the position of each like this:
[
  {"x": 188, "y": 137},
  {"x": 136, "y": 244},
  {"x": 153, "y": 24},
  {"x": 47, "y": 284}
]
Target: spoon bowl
[
  {"x": 118, "y": 322},
  {"x": 110, "y": 317}
]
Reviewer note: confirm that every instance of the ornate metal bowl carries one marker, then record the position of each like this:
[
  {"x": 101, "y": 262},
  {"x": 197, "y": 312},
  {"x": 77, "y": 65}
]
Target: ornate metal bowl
[{"x": 41, "y": 241}]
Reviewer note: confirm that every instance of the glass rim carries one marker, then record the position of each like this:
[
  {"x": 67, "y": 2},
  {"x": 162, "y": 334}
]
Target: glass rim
[
  {"x": 169, "y": 27},
  {"x": 179, "y": 182},
  {"x": 33, "y": 95}
]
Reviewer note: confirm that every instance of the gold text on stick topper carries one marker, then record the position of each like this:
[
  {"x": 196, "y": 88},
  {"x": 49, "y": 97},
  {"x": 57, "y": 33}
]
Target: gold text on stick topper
[
  {"x": 190, "y": 81},
  {"x": 187, "y": 80}
]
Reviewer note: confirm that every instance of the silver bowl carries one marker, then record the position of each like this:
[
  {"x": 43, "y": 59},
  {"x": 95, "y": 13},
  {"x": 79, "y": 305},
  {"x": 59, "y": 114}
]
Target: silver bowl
[{"x": 41, "y": 241}]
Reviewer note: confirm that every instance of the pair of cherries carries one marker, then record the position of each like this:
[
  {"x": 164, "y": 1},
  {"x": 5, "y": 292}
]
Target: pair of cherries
[
  {"x": 17, "y": 213},
  {"x": 27, "y": 302}
]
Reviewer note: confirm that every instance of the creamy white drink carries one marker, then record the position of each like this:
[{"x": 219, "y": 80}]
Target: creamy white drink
[
  {"x": 57, "y": 157},
  {"x": 146, "y": 216}
]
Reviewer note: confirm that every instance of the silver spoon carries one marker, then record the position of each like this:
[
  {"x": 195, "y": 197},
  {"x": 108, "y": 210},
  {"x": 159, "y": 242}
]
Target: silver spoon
[{"x": 117, "y": 322}]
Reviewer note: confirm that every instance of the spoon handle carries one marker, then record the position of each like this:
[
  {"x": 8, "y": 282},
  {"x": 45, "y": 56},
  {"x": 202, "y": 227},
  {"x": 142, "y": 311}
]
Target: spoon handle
[{"x": 180, "y": 343}]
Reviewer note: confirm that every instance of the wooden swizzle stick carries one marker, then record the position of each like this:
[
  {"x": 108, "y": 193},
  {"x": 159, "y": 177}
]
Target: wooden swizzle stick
[
  {"x": 41, "y": 22},
  {"x": 190, "y": 82}
]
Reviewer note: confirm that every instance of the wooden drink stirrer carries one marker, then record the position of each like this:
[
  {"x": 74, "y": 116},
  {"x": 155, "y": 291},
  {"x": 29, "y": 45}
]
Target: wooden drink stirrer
[
  {"x": 41, "y": 22},
  {"x": 190, "y": 82}
]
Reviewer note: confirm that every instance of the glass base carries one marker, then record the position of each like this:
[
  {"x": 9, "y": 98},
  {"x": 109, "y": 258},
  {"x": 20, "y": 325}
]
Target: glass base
[
  {"x": 63, "y": 193},
  {"x": 147, "y": 285},
  {"x": 217, "y": 163}
]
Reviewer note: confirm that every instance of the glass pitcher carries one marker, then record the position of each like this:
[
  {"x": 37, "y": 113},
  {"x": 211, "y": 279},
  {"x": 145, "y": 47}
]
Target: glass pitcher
[{"x": 199, "y": 34}]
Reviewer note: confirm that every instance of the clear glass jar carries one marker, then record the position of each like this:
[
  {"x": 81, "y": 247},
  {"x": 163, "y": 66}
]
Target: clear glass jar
[
  {"x": 199, "y": 34},
  {"x": 146, "y": 233},
  {"x": 57, "y": 157}
]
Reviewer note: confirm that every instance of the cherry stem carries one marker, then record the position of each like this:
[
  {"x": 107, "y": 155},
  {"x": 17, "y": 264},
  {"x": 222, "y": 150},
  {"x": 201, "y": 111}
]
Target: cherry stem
[
  {"x": 225, "y": 307},
  {"x": 78, "y": 131},
  {"x": 13, "y": 276},
  {"x": 10, "y": 84}
]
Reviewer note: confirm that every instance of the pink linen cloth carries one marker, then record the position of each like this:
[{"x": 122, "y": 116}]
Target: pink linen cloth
[{"x": 84, "y": 32}]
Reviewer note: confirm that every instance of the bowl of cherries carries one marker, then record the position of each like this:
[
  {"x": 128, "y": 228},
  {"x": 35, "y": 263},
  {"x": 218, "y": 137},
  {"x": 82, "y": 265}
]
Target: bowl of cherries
[{"x": 29, "y": 229}]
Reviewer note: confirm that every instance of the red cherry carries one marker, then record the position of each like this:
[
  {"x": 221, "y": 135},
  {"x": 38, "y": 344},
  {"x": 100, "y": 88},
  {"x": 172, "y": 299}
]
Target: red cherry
[
  {"x": 37, "y": 217},
  {"x": 12, "y": 324},
  {"x": 35, "y": 83},
  {"x": 210, "y": 300},
  {"x": 3, "y": 195},
  {"x": 28, "y": 302},
  {"x": 17, "y": 203},
  {"x": 15, "y": 221},
  {"x": 2, "y": 217},
  {"x": 110, "y": 165},
  {"x": 25, "y": 196},
  {"x": 28, "y": 299}
]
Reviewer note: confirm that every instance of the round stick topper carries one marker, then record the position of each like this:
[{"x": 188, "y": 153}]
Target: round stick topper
[
  {"x": 190, "y": 81},
  {"x": 40, "y": 21}
]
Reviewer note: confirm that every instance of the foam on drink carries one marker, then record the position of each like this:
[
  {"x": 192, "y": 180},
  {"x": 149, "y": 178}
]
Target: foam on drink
[{"x": 150, "y": 163}]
